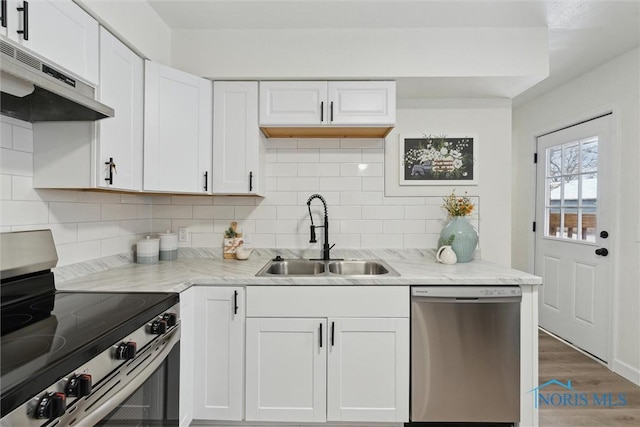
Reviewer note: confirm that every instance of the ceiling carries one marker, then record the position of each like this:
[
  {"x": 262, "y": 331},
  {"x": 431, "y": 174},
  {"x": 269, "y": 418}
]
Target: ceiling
[{"x": 582, "y": 34}]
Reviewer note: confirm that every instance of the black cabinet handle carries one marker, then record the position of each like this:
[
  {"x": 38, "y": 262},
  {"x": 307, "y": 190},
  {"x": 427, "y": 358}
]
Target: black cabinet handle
[
  {"x": 333, "y": 333},
  {"x": 320, "y": 335},
  {"x": 331, "y": 108},
  {"x": 112, "y": 167},
  {"x": 602, "y": 252},
  {"x": 206, "y": 181},
  {"x": 25, "y": 20},
  {"x": 321, "y": 111},
  {"x": 250, "y": 181},
  {"x": 3, "y": 18},
  {"x": 235, "y": 302}
]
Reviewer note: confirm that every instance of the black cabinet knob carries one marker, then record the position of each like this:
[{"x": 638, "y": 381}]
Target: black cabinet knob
[
  {"x": 170, "y": 318},
  {"x": 79, "y": 385},
  {"x": 51, "y": 405},
  {"x": 158, "y": 327},
  {"x": 602, "y": 252},
  {"x": 604, "y": 234},
  {"x": 126, "y": 351}
]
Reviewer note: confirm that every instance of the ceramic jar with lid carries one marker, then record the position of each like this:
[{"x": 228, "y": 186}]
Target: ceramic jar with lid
[
  {"x": 147, "y": 250},
  {"x": 168, "y": 246}
]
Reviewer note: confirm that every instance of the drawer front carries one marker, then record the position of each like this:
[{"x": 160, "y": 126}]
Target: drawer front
[{"x": 327, "y": 301}]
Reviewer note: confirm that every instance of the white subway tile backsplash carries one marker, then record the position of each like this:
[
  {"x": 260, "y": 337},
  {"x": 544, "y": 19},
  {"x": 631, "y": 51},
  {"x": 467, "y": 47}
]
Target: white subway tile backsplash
[
  {"x": 58, "y": 195},
  {"x": 382, "y": 212},
  {"x": 296, "y": 241},
  {"x": 6, "y": 184},
  {"x": 234, "y": 201},
  {"x": 98, "y": 230},
  {"x": 73, "y": 212},
  {"x": 293, "y": 212},
  {"x": 374, "y": 155},
  {"x": 191, "y": 200},
  {"x": 340, "y": 155},
  {"x": 112, "y": 211},
  {"x": 16, "y": 162},
  {"x": 394, "y": 241},
  {"x": 23, "y": 212},
  {"x": 278, "y": 143},
  {"x": 396, "y": 226},
  {"x": 347, "y": 241},
  {"x": 361, "y": 226},
  {"x": 331, "y": 197},
  {"x": 421, "y": 240},
  {"x": 172, "y": 211},
  {"x": 281, "y": 169},
  {"x": 298, "y": 184},
  {"x": 403, "y": 201},
  {"x": 23, "y": 189},
  {"x": 213, "y": 212},
  {"x": 6, "y": 135},
  {"x": 361, "y": 169},
  {"x": 279, "y": 198},
  {"x": 263, "y": 240},
  {"x": 345, "y": 212},
  {"x": 98, "y": 197},
  {"x": 144, "y": 211},
  {"x": 62, "y": 233},
  {"x": 118, "y": 245},
  {"x": 206, "y": 240},
  {"x": 136, "y": 226},
  {"x": 322, "y": 143},
  {"x": 346, "y": 183},
  {"x": 423, "y": 212},
  {"x": 372, "y": 183},
  {"x": 23, "y": 139},
  {"x": 361, "y": 198},
  {"x": 253, "y": 212},
  {"x": 135, "y": 199},
  {"x": 298, "y": 156},
  {"x": 72, "y": 253},
  {"x": 362, "y": 143},
  {"x": 319, "y": 169},
  {"x": 193, "y": 226},
  {"x": 160, "y": 200}
]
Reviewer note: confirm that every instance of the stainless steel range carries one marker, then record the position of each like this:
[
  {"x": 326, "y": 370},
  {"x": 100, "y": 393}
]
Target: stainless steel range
[{"x": 82, "y": 358}]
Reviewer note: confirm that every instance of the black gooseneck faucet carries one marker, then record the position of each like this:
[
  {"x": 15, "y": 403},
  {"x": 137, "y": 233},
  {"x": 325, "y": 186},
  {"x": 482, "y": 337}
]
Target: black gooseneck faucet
[{"x": 312, "y": 228}]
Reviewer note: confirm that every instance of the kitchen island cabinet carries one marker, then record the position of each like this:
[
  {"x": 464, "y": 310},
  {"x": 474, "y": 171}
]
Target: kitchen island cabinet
[
  {"x": 346, "y": 359},
  {"x": 219, "y": 353}
]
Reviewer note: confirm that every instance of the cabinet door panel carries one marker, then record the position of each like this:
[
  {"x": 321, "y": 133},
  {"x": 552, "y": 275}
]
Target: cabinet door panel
[
  {"x": 120, "y": 137},
  {"x": 293, "y": 103},
  {"x": 236, "y": 141},
  {"x": 60, "y": 31},
  {"x": 362, "y": 103},
  {"x": 187, "y": 355},
  {"x": 219, "y": 350},
  {"x": 368, "y": 370},
  {"x": 286, "y": 370},
  {"x": 177, "y": 126}
]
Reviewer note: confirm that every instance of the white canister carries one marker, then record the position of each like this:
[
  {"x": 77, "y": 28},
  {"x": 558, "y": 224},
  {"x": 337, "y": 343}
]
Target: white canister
[
  {"x": 168, "y": 246},
  {"x": 147, "y": 250}
]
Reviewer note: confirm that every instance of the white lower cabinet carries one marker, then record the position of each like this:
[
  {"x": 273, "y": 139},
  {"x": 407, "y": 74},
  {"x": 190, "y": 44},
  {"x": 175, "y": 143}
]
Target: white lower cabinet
[
  {"x": 187, "y": 342},
  {"x": 329, "y": 367},
  {"x": 219, "y": 353}
]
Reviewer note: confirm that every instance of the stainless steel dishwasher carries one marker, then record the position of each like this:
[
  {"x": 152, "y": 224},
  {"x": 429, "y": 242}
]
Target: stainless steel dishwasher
[{"x": 465, "y": 354}]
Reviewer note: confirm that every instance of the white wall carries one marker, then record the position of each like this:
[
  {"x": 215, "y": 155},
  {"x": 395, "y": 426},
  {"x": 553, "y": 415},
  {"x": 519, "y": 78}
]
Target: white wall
[
  {"x": 613, "y": 85},
  {"x": 85, "y": 225}
]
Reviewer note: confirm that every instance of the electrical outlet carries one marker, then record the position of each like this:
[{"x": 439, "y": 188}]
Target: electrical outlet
[
  {"x": 183, "y": 234},
  {"x": 246, "y": 237}
]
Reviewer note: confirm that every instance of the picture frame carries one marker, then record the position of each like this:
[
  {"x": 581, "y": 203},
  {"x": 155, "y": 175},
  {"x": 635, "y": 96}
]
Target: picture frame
[{"x": 438, "y": 160}]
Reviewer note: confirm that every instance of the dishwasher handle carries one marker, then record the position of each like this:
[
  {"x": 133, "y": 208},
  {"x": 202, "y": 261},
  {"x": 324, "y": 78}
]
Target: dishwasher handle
[
  {"x": 463, "y": 300},
  {"x": 466, "y": 294}
]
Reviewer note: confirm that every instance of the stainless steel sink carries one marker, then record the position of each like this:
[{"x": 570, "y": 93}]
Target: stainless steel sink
[
  {"x": 357, "y": 268},
  {"x": 292, "y": 267},
  {"x": 305, "y": 267}
]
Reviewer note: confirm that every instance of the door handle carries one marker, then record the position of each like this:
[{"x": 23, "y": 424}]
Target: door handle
[
  {"x": 604, "y": 234},
  {"x": 250, "y": 181},
  {"x": 321, "y": 111},
  {"x": 25, "y": 20},
  {"x": 235, "y": 302},
  {"x": 320, "y": 335},
  {"x": 602, "y": 252},
  {"x": 333, "y": 333},
  {"x": 206, "y": 181},
  {"x": 3, "y": 18}
]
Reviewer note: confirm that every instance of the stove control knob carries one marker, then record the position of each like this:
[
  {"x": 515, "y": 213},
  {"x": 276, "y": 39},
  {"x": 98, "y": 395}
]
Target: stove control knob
[
  {"x": 79, "y": 385},
  {"x": 51, "y": 405},
  {"x": 126, "y": 350},
  {"x": 158, "y": 327},
  {"x": 170, "y": 318}
]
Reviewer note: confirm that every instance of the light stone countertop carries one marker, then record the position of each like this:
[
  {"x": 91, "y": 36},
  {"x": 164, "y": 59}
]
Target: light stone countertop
[{"x": 207, "y": 267}]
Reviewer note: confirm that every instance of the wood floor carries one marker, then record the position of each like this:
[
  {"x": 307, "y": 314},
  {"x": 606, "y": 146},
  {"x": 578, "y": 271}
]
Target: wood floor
[{"x": 561, "y": 362}]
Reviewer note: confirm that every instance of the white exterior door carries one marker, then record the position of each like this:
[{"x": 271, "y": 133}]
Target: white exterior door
[
  {"x": 573, "y": 235},
  {"x": 60, "y": 31},
  {"x": 120, "y": 137},
  {"x": 177, "y": 131},
  {"x": 236, "y": 137},
  {"x": 293, "y": 103},
  {"x": 368, "y": 370},
  {"x": 219, "y": 352},
  {"x": 286, "y": 370},
  {"x": 362, "y": 102}
]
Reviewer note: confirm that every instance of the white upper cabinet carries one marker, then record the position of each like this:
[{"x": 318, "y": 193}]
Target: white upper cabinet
[
  {"x": 293, "y": 103},
  {"x": 119, "y": 163},
  {"x": 177, "y": 131},
  {"x": 288, "y": 108},
  {"x": 58, "y": 30},
  {"x": 237, "y": 153}
]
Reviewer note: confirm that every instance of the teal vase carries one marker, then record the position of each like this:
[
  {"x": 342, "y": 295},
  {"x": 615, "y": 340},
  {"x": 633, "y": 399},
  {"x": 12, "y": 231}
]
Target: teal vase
[{"x": 466, "y": 237}]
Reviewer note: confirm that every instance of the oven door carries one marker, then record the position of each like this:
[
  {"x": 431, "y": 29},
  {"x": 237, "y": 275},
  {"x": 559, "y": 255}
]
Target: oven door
[{"x": 155, "y": 402}]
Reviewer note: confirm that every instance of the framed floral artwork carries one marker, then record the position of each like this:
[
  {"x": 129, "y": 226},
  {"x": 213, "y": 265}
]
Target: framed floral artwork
[{"x": 438, "y": 160}]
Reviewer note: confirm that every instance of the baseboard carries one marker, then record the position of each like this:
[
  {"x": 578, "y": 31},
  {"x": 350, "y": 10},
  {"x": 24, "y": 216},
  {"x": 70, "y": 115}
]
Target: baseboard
[{"x": 627, "y": 371}]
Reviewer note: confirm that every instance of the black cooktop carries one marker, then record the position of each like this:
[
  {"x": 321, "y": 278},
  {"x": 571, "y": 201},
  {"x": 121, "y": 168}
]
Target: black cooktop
[{"x": 46, "y": 337}]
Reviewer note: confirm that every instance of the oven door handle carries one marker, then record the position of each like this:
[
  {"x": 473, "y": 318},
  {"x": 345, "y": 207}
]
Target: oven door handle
[{"x": 110, "y": 403}]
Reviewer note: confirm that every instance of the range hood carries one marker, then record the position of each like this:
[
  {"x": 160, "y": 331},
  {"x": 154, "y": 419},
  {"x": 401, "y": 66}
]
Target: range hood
[{"x": 36, "y": 91}]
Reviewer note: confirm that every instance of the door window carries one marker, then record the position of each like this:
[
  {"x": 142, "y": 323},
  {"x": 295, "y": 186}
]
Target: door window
[{"x": 572, "y": 190}]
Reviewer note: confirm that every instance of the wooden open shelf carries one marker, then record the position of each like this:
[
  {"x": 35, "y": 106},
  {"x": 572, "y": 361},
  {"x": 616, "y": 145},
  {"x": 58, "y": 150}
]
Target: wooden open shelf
[{"x": 326, "y": 132}]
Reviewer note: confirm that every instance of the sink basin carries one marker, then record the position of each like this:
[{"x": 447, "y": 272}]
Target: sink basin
[
  {"x": 305, "y": 267},
  {"x": 293, "y": 267},
  {"x": 357, "y": 268}
]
